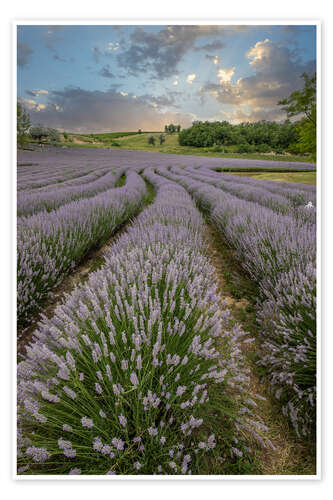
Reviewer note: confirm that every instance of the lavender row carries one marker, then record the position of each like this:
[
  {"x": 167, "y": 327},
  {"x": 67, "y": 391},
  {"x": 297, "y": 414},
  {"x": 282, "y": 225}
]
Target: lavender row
[
  {"x": 287, "y": 202},
  {"x": 297, "y": 194},
  {"x": 50, "y": 244},
  {"x": 31, "y": 203},
  {"x": 90, "y": 176},
  {"x": 281, "y": 186},
  {"x": 280, "y": 255},
  {"x": 140, "y": 364},
  {"x": 49, "y": 175}
]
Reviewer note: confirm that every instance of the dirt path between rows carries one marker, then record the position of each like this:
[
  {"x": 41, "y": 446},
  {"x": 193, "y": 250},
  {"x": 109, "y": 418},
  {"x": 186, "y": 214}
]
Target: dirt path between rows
[{"x": 290, "y": 455}]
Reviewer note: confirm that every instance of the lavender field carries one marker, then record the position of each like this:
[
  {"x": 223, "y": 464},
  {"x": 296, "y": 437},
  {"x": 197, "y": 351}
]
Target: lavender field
[{"x": 153, "y": 364}]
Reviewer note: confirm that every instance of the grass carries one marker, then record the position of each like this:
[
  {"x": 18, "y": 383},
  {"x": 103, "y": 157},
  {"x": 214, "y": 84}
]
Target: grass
[
  {"x": 303, "y": 177},
  {"x": 133, "y": 140}
]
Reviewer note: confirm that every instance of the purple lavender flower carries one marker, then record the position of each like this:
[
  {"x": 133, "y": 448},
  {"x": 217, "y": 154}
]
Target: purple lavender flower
[
  {"x": 87, "y": 422},
  {"x": 122, "y": 420}
]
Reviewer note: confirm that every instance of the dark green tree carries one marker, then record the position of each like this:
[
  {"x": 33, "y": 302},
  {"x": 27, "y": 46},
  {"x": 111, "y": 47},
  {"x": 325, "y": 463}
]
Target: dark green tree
[
  {"x": 23, "y": 125},
  {"x": 304, "y": 102},
  {"x": 151, "y": 140}
]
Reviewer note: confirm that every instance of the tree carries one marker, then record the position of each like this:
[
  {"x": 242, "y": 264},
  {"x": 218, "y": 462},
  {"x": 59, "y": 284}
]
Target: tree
[
  {"x": 52, "y": 135},
  {"x": 38, "y": 132},
  {"x": 151, "y": 140},
  {"x": 304, "y": 102},
  {"x": 23, "y": 125},
  {"x": 161, "y": 139},
  {"x": 170, "y": 129},
  {"x": 139, "y": 131}
]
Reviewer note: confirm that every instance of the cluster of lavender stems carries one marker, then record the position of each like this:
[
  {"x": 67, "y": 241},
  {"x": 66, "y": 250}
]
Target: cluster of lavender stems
[
  {"x": 32, "y": 202},
  {"x": 50, "y": 244},
  {"x": 278, "y": 250},
  {"x": 119, "y": 380},
  {"x": 283, "y": 198}
]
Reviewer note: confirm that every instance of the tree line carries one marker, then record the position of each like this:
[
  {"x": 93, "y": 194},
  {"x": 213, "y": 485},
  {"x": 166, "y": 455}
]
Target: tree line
[{"x": 264, "y": 136}]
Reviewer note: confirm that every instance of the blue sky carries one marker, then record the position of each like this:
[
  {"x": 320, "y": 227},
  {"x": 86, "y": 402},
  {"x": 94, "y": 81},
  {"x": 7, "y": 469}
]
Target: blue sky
[{"x": 118, "y": 78}]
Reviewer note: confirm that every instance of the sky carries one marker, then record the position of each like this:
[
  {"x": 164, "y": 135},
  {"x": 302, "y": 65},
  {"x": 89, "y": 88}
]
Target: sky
[{"x": 90, "y": 79}]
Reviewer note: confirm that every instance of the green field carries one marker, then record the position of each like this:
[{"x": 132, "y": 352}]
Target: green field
[
  {"x": 303, "y": 177},
  {"x": 133, "y": 140}
]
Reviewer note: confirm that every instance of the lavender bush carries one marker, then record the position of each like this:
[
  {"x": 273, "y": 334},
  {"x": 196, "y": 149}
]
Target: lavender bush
[
  {"x": 50, "y": 244},
  {"x": 48, "y": 200},
  {"x": 279, "y": 253},
  {"x": 140, "y": 370},
  {"x": 281, "y": 199}
]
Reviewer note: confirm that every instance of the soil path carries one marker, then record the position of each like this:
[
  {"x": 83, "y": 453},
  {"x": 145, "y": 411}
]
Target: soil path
[{"x": 290, "y": 456}]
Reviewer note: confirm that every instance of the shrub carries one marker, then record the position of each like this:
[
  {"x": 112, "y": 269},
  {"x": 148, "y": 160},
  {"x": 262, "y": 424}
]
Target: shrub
[
  {"x": 140, "y": 364},
  {"x": 263, "y": 148},
  {"x": 217, "y": 148},
  {"x": 49, "y": 244},
  {"x": 294, "y": 149},
  {"x": 151, "y": 140},
  {"x": 245, "y": 148},
  {"x": 279, "y": 254}
]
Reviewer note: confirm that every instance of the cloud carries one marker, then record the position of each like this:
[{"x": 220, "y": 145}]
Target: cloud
[
  {"x": 169, "y": 99},
  {"x": 105, "y": 71},
  {"x": 255, "y": 115},
  {"x": 190, "y": 78},
  {"x": 225, "y": 75},
  {"x": 51, "y": 37},
  {"x": 32, "y": 105},
  {"x": 96, "y": 111},
  {"x": 37, "y": 92},
  {"x": 112, "y": 46},
  {"x": 160, "y": 52},
  {"x": 215, "y": 45},
  {"x": 63, "y": 59},
  {"x": 277, "y": 71},
  {"x": 24, "y": 53},
  {"x": 215, "y": 59}
]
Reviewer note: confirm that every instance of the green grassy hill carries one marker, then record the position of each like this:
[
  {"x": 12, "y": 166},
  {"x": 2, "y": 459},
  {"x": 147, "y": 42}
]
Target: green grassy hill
[{"x": 134, "y": 140}]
